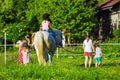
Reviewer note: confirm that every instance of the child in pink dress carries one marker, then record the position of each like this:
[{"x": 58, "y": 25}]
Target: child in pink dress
[
  {"x": 20, "y": 51},
  {"x": 25, "y": 53},
  {"x": 20, "y": 54}
]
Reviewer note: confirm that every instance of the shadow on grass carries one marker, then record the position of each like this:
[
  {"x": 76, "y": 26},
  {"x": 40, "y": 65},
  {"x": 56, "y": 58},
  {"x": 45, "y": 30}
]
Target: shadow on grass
[
  {"x": 110, "y": 64},
  {"x": 82, "y": 65}
]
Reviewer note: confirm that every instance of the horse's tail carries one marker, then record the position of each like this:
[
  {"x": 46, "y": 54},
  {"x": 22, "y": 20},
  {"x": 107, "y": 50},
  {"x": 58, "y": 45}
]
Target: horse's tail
[{"x": 39, "y": 46}]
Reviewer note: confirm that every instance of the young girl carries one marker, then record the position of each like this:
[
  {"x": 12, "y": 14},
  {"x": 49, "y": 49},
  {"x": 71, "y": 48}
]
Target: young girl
[
  {"x": 46, "y": 23},
  {"x": 46, "y": 26},
  {"x": 20, "y": 50},
  {"x": 88, "y": 47},
  {"x": 98, "y": 55},
  {"x": 25, "y": 53}
]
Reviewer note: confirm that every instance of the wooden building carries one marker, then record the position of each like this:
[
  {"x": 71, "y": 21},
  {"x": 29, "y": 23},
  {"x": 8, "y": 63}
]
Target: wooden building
[{"x": 108, "y": 17}]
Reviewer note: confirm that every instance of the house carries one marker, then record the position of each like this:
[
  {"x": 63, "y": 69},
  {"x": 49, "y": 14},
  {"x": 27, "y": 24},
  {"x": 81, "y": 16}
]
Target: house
[{"x": 108, "y": 17}]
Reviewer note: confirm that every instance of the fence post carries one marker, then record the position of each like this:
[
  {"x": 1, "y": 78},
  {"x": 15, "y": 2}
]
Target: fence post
[
  {"x": 57, "y": 52},
  {"x": 5, "y": 47}
]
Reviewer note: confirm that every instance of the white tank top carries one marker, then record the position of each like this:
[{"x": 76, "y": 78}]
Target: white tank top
[
  {"x": 98, "y": 52},
  {"x": 87, "y": 45}
]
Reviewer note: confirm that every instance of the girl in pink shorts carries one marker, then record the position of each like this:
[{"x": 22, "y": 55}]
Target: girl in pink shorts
[{"x": 88, "y": 47}]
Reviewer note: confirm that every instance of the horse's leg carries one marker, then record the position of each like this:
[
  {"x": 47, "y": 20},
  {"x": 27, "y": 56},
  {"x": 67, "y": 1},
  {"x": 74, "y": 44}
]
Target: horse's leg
[
  {"x": 50, "y": 56},
  {"x": 46, "y": 55},
  {"x": 42, "y": 57},
  {"x": 39, "y": 60},
  {"x": 41, "y": 51},
  {"x": 37, "y": 53},
  {"x": 50, "y": 59}
]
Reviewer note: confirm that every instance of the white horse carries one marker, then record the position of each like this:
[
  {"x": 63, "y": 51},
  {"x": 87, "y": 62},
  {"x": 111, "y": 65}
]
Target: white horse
[{"x": 45, "y": 44}]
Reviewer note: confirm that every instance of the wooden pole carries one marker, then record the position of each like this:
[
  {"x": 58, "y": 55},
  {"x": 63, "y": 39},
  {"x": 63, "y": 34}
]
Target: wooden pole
[
  {"x": 57, "y": 52},
  {"x": 5, "y": 47}
]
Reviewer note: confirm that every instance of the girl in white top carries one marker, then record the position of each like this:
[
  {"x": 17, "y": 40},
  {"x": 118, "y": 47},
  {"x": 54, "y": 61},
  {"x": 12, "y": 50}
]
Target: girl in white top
[
  {"x": 88, "y": 47},
  {"x": 98, "y": 55},
  {"x": 25, "y": 53}
]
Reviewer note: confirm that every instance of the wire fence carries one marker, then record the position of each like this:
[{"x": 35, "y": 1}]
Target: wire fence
[{"x": 10, "y": 52}]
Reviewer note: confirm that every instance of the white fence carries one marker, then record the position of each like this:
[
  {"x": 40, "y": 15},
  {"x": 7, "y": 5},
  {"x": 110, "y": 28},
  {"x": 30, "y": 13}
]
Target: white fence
[
  {"x": 4, "y": 47},
  {"x": 71, "y": 54},
  {"x": 80, "y": 44}
]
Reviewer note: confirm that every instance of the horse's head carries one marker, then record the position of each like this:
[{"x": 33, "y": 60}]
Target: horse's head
[
  {"x": 32, "y": 37},
  {"x": 58, "y": 34}
]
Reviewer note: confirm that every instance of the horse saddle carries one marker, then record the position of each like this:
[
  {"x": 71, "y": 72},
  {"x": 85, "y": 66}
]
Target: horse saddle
[{"x": 52, "y": 33}]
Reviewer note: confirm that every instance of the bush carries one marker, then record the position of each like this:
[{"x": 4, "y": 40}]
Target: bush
[
  {"x": 116, "y": 33},
  {"x": 112, "y": 40}
]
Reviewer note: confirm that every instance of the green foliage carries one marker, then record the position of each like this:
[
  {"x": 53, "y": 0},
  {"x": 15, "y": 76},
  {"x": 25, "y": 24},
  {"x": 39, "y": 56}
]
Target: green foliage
[
  {"x": 15, "y": 31},
  {"x": 76, "y": 16},
  {"x": 113, "y": 40},
  {"x": 116, "y": 33},
  {"x": 100, "y": 1}
]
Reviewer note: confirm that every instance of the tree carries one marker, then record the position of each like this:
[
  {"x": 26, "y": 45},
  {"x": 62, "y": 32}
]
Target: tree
[{"x": 19, "y": 18}]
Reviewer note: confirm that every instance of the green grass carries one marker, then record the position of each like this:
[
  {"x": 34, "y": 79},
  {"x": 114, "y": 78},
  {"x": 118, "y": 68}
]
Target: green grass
[{"x": 63, "y": 68}]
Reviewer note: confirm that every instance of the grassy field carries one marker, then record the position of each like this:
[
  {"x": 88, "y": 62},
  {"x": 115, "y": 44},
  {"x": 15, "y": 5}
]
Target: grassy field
[{"x": 63, "y": 68}]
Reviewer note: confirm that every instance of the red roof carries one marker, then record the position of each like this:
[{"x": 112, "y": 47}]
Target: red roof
[{"x": 108, "y": 3}]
